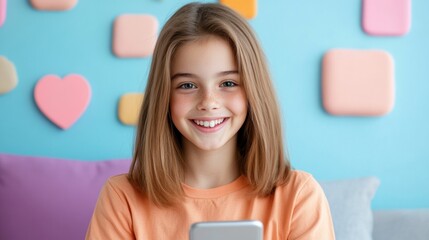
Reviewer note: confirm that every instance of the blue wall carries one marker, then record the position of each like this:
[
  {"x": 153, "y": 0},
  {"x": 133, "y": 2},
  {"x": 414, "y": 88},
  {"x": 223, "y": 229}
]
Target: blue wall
[{"x": 294, "y": 34}]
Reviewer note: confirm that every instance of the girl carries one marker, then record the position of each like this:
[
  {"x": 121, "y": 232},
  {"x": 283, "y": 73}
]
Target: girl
[{"x": 209, "y": 144}]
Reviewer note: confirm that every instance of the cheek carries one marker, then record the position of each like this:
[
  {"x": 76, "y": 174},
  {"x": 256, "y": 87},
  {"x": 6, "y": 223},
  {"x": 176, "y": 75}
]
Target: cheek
[
  {"x": 178, "y": 106},
  {"x": 238, "y": 103}
]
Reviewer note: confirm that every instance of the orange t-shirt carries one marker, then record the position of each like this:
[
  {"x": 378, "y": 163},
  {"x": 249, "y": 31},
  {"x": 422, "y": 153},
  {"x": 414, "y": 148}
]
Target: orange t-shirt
[{"x": 296, "y": 210}]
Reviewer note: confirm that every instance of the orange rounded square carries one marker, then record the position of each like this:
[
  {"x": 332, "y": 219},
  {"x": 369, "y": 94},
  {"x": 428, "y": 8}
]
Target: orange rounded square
[
  {"x": 134, "y": 35},
  {"x": 129, "y": 108},
  {"x": 358, "y": 82},
  {"x": 53, "y": 5},
  {"x": 247, "y": 8}
]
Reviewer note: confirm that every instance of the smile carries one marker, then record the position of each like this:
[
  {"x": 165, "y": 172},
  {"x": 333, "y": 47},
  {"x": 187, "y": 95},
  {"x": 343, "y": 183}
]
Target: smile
[{"x": 209, "y": 124}]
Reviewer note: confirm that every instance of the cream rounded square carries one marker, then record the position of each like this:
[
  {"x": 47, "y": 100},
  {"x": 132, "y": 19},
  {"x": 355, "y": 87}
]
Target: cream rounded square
[
  {"x": 129, "y": 108},
  {"x": 386, "y": 17},
  {"x": 8, "y": 75},
  {"x": 246, "y": 8},
  {"x": 53, "y": 5},
  {"x": 358, "y": 82},
  {"x": 134, "y": 35}
]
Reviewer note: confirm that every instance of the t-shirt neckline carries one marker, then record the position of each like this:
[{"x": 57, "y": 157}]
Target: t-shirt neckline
[{"x": 216, "y": 192}]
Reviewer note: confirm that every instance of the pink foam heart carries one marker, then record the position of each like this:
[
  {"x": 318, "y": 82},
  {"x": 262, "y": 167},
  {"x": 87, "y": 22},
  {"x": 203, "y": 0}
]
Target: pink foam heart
[{"x": 63, "y": 101}]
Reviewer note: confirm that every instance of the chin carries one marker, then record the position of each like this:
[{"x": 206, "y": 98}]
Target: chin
[{"x": 209, "y": 148}]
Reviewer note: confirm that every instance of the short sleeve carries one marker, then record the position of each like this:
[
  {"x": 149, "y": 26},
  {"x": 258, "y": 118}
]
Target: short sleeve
[
  {"x": 111, "y": 218},
  {"x": 311, "y": 218}
]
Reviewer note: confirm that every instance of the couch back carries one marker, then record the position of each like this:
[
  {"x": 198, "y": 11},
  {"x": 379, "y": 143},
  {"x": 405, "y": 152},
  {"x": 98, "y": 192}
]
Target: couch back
[{"x": 48, "y": 198}]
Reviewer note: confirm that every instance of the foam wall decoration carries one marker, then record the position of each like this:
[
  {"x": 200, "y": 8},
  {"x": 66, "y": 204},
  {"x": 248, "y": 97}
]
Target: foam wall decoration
[
  {"x": 3, "y": 7},
  {"x": 63, "y": 101},
  {"x": 129, "y": 108},
  {"x": 134, "y": 35},
  {"x": 358, "y": 82},
  {"x": 386, "y": 17},
  {"x": 247, "y": 8},
  {"x": 53, "y": 5},
  {"x": 8, "y": 75}
]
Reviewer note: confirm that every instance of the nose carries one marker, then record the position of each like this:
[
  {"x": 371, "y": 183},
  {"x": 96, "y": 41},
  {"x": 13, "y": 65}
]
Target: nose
[{"x": 208, "y": 101}]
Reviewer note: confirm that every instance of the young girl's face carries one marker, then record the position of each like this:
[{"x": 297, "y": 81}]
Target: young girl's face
[{"x": 208, "y": 103}]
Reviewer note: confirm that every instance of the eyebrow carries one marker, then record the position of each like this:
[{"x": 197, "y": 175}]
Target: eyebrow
[{"x": 190, "y": 75}]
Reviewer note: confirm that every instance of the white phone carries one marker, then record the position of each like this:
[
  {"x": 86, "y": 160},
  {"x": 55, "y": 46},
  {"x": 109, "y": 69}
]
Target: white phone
[{"x": 227, "y": 230}]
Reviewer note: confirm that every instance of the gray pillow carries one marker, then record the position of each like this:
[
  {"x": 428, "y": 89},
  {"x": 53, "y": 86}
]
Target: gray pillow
[
  {"x": 399, "y": 224},
  {"x": 350, "y": 203}
]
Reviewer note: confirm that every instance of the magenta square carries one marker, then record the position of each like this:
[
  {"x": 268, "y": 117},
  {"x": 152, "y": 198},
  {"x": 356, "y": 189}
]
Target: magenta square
[{"x": 386, "y": 17}]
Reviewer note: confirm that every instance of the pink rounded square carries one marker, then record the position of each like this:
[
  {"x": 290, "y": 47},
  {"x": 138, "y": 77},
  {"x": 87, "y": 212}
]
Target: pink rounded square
[
  {"x": 358, "y": 82},
  {"x": 3, "y": 5},
  {"x": 386, "y": 17},
  {"x": 134, "y": 35},
  {"x": 53, "y": 5}
]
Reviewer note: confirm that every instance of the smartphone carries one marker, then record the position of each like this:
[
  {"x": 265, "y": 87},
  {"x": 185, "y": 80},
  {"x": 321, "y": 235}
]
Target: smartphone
[{"x": 227, "y": 230}]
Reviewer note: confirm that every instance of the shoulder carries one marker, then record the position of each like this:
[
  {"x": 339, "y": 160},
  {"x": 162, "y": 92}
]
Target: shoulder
[
  {"x": 311, "y": 213},
  {"x": 121, "y": 179},
  {"x": 119, "y": 185},
  {"x": 299, "y": 181},
  {"x": 298, "y": 178}
]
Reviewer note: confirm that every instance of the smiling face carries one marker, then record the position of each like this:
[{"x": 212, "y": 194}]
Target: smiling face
[{"x": 208, "y": 104}]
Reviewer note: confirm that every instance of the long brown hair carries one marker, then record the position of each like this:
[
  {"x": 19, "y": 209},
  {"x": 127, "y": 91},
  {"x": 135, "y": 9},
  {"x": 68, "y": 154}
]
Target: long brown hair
[{"x": 157, "y": 168}]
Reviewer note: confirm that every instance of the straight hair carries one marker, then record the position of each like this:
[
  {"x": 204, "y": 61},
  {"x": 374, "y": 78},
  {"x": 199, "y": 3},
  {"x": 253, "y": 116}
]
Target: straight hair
[{"x": 157, "y": 168}]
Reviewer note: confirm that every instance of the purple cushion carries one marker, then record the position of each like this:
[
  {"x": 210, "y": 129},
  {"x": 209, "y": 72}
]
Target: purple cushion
[{"x": 47, "y": 198}]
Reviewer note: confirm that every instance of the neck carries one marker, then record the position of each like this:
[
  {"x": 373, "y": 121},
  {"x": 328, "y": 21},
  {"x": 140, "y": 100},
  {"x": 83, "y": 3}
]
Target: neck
[{"x": 210, "y": 169}]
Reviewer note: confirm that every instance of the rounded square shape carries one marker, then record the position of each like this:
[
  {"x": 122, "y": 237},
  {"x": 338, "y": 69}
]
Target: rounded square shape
[
  {"x": 129, "y": 108},
  {"x": 246, "y": 8},
  {"x": 8, "y": 75},
  {"x": 134, "y": 35},
  {"x": 53, "y": 5},
  {"x": 358, "y": 82},
  {"x": 3, "y": 6},
  {"x": 386, "y": 17}
]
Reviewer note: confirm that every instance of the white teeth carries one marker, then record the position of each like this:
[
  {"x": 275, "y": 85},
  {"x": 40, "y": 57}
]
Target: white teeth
[{"x": 209, "y": 124}]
